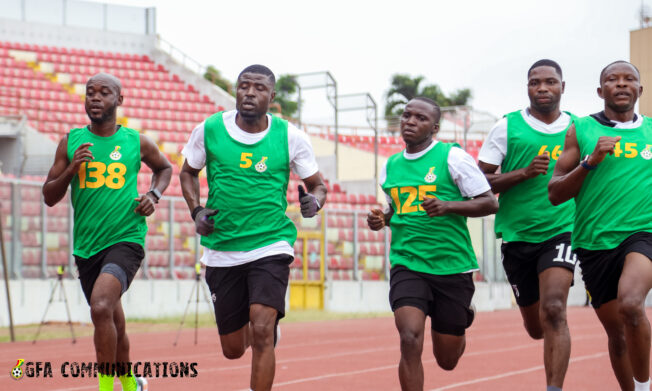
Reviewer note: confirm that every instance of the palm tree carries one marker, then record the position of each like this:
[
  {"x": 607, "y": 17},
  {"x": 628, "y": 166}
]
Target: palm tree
[{"x": 404, "y": 87}]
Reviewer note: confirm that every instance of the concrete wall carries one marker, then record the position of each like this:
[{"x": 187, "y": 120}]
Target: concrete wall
[
  {"x": 355, "y": 167},
  {"x": 75, "y": 37},
  {"x": 165, "y": 298},
  {"x": 640, "y": 55},
  {"x": 144, "y": 299}
]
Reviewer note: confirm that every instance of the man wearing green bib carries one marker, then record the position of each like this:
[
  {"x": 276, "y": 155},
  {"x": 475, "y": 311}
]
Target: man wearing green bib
[
  {"x": 431, "y": 188},
  {"x": 606, "y": 166},
  {"x": 100, "y": 163},
  {"x": 536, "y": 235},
  {"x": 247, "y": 237}
]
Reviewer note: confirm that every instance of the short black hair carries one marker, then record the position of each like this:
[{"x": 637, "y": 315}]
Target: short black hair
[
  {"x": 434, "y": 105},
  {"x": 619, "y": 62},
  {"x": 547, "y": 63},
  {"x": 260, "y": 70}
]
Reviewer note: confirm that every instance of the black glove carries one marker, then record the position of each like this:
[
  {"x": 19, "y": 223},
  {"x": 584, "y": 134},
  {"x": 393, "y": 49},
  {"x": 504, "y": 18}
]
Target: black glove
[
  {"x": 309, "y": 204},
  {"x": 204, "y": 225}
]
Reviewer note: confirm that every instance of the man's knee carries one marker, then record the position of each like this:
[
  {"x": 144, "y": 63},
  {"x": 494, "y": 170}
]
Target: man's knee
[
  {"x": 553, "y": 313},
  {"x": 101, "y": 310},
  {"x": 233, "y": 353},
  {"x": 447, "y": 362},
  {"x": 263, "y": 334},
  {"x": 411, "y": 343},
  {"x": 631, "y": 310},
  {"x": 533, "y": 329}
]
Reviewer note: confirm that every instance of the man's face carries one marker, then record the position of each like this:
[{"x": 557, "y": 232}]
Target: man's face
[
  {"x": 254, "y": 93},
  {"x": 620, "y": 87},
  {"x": 418, "y": 122},
  {"x": 102, "y": 99},
  {"x": 544, "y": 88}
]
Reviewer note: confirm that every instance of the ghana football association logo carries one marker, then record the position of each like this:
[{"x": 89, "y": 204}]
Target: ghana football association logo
[
  {"x": 261, "y": 166},
  {"x": 647, "y": 152},
  {"x": 430, "y": 176},
  {"x": 17, "y": 371},
  {"x": 116, "y": 155}
]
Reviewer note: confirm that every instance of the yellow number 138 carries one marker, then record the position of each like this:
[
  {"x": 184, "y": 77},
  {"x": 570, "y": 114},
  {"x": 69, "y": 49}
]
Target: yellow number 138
[{"x": 91, "y": 175}]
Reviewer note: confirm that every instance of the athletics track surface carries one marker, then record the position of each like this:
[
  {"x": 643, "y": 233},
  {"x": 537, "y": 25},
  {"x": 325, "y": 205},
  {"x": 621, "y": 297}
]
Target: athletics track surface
[{"x": 357, "y": 354}]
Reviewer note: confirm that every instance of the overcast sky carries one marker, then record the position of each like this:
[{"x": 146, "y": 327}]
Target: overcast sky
[{"x": 487, "y": 46}]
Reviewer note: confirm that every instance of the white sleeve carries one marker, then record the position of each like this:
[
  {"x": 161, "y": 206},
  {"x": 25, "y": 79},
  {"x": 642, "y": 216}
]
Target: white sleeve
[
  {"x": 494, "y": 148},
  {"x": 466, "y": 174},
  {"x": 302, "y": 156},
  {"x": 194, "y": 151},
  {"x": 382, "y": 176}
]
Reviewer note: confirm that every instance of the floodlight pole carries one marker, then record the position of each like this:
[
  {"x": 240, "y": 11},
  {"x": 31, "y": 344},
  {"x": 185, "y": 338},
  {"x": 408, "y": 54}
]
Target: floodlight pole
[
  {"x": 371, "y": 110},
  {"x": 331, "y": 94}
]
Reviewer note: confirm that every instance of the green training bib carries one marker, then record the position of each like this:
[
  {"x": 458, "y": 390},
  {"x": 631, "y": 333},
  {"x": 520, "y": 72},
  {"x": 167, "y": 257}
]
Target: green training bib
[
  {"x": 103, "y": 191},
  {"x": 436, "y": 245}
]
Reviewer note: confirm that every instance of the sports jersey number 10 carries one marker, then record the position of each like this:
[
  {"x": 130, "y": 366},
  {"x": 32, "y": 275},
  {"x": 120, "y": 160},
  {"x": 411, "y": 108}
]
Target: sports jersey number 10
[
  {"x": 91, "y": 175},
  {"x": 570, "y": 256},
  {"x": 413, "y": 193}
]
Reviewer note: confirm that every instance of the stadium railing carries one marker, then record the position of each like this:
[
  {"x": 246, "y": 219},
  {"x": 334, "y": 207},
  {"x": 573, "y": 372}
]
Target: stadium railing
[{"x": 39, "y": 239}]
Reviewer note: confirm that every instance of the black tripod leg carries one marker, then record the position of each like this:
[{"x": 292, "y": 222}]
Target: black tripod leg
[
  {"x": 38, "y": 331},
  {"x": 184, "y": 315},
  {"x": 197, "y": 288},
  {"x": 65, "y": 300}
]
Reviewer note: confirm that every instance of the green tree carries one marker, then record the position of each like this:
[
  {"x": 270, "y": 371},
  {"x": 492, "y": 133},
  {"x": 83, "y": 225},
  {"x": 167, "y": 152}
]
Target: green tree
[
  {"x": 404, "y": 87},
  {"x": 213, "y": 75},
  {"x": 286, "y": 89}
]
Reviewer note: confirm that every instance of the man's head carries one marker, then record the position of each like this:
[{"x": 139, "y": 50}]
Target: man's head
[
  {"x": 420, "y": 120},
  {"x": 103, "y": 96},
  {"x": 620, "y": 86},
  {"x": 545, "y": 85},
  {"x": 254, "y": 91}
]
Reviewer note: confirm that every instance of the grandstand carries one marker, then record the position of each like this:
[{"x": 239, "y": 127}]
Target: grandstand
[{"x": 43, "y": 70}]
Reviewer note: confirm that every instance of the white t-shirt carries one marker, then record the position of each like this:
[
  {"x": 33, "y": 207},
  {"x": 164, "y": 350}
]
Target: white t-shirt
[
  {"x": 302, "y": 163},
  {"x": 629, "y": 124},
  {"x": 494, "y": 147},
  {"x": 464, "y": 171}
]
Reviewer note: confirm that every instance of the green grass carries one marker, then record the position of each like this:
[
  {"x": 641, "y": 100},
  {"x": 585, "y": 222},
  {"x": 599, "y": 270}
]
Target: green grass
[{"x": 52, "y": 330}]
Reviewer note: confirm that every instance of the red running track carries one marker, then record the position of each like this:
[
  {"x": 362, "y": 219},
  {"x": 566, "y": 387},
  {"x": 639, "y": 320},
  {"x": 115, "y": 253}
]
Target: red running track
[{"x": 357, "y": 354}]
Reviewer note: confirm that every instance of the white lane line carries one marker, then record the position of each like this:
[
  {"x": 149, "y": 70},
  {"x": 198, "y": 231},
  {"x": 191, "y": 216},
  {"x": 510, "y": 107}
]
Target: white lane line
[
  {"x": 476, "y": 353},
  {"x": 320, "y": 377},
  {"x": 513, "y": 373}
]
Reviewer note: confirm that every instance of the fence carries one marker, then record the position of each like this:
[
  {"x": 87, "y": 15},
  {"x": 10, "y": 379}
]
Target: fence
[{"x": 39, "y": 239}]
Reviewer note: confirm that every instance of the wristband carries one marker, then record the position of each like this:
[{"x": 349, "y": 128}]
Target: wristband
[
  {"x": 195, "y": 211},
  {"x": 157, "y": 194},
  {"x": 586, "y": 165}
]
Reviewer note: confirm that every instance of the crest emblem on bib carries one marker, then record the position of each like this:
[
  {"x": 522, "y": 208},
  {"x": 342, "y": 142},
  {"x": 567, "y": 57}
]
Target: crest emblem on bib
[
  {"x": 647, "y": 152},
  {"x": 261, "y": 166},
  {"x": 116, "y": 155},
  {"x": 430, "y": 176}
]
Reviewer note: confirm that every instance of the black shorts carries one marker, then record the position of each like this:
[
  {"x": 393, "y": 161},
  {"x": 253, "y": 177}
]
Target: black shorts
[
  {"x": 524, "y": 261},
  {"x": 601, "y": 269},
  {"x": 122, "y": 260},
  {"x": 445, "y": 298},
  {"x": 234, "y": 289}
]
